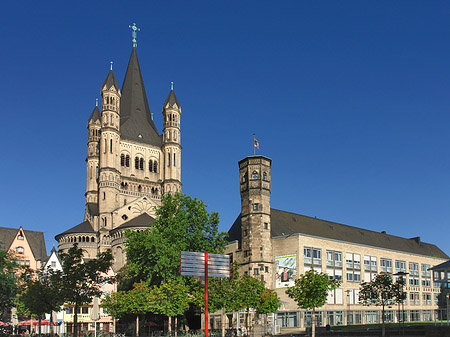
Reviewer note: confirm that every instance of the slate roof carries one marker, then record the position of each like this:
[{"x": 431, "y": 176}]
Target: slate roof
[
  {"x": 111, "y": 81},
  {"x": 142, "y": 220},
  {"x": 286, "y": 223},
  {"x": 136, "y": 123},
  {"x": 171, "y": 99},
  {"x": 35, "y": 239},
  {"x": 85, "y": 227},
  {"x": 442, "y": 267},
  {"x": 95, "y": 116}
]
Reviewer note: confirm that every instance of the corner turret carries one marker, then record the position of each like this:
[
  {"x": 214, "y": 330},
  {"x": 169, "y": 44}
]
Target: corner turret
[
  {"x": 93, "y": 156},
  {"x": 171, "y": 143}
]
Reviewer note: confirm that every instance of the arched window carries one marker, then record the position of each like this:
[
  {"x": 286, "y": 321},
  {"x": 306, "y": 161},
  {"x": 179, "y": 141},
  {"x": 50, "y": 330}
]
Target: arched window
[
  {"x": 139, "y": 188},
  {"x": 19, "y": 250},
  {"x": 265, "y": 176},
  {"x": 127, "y": 161},
  {"x": 168, "y": 159},
  {"x": 245, "y": 177},
  {"x": 141, "y": 163},
  {"x": 136, "y": 163},
  {"x": 122, "y": 160},
  {"x": 174, "y": 157},
  {"x": 254, "y": 175},
  {"x": 155, "y": 166},
  {"x": 110, "y": 146},
  {"x": 150, "y": 165}
]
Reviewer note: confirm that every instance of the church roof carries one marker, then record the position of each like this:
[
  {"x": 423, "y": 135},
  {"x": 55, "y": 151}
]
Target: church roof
[
  {"x": 95, "y": 116},
  {"x": 142, "y": 220},
  {"x": 111, "y": 81},
  {"x": 285, "y": 223},
  {"x": 135, "y": 120},
  {"x": 84, "y": 227},
  {"x": 35, "y": 240},
  {"x": 171, "y": 99}
]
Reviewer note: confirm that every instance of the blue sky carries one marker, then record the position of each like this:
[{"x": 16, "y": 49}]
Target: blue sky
[{"x": 350, "y": 99}]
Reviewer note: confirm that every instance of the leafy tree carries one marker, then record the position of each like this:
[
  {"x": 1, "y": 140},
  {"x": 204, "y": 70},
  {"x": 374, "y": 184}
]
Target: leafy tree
[
  {"x": 171, "y": 299},
  {"x": 138, "y": 301},
  {"x": 42, "y": 295},
  {"x": 8, "y": 284},
  {"x": 116, "y": 303},
  {"x": 310, "y": 292},
  {"x": 81, "y": 279},
  {"x": 182, "y": 223},
  {"x": 247, "y": 294},
  {"x": 268, "y": 303},
  {"x": 381, "y": 292}
]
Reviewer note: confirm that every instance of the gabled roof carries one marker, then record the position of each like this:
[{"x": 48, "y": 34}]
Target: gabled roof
[
  {"x": 95, "y": 116},
  {"x": 445, "y": 266},
  {"x": 35, "y": 239},
  {"x": 142, "y": 220},
  {"x": 286, "y": 223},
  {"x": 171, "y": 100},
  {"x": 111, "y": 81},
  {"x": 84, "y": 227},
  {"x": 135, "y": 120}
]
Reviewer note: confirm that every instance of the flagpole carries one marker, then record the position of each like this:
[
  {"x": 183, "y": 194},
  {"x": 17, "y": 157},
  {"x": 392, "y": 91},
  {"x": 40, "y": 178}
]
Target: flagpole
[{"x": 254, "y": 147}]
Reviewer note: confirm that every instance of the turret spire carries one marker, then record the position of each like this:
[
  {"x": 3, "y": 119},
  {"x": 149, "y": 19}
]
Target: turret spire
[
  {"x": 134, "y": 34},
  {"x": 171, "y": 85},
  {"x": 111, "y": 65}
]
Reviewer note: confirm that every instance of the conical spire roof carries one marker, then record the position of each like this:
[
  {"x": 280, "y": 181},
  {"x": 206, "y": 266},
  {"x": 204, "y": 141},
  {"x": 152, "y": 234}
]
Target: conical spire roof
[
  {"x": 95, "y": 116},
  {"x": 171, "y": 100},
  {"x": 135, "y": 120},
  {"x": 111, "y": 81}
]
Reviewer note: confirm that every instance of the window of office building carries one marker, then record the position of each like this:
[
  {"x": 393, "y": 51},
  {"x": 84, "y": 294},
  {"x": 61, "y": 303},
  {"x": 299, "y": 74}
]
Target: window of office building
[
  {"x": 400, "y": 266},
  {"x": 312, "y": 255},
  {"x": 353, "y": 261},
  {"x": 354, "y": 317},
  {"x": 308, "y": 318},
  {"x": 414, "y": 315},
  {"x": 335, "y": 296},
  {"x": 335, "y": 317},
  {"x": 385, "y": 265},
  {"x": 371, "y": 317},
  {"x": 288, "y": 319},
  {"x": 334, "y": 258},
  {"x": 414, "y": 298}
]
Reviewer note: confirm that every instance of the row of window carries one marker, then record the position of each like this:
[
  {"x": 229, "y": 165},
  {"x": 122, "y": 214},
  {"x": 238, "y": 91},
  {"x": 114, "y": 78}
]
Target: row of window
[
  {"x": 139, "y": 163},
  {"x": 292, "y": 319},
  {"x": 255, "y": 176},
  {"x": 312, "y": 256}
]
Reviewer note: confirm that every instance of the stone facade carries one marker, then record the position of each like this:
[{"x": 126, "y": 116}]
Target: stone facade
[{"x": 129, "y": 165}]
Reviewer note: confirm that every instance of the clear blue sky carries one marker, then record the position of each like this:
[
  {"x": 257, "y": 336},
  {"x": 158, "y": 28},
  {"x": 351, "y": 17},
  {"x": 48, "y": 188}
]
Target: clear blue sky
[{"x": 351, "y": 100}]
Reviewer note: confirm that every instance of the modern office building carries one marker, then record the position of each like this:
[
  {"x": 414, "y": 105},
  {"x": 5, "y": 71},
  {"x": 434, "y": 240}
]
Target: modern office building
[{"x": 276, "y": 246}]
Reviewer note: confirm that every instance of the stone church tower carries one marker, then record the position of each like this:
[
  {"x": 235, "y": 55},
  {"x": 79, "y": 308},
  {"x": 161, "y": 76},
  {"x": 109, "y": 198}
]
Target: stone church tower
[
  {"x": 256, "y": 251},
  {"x": 129, "y": 164}
]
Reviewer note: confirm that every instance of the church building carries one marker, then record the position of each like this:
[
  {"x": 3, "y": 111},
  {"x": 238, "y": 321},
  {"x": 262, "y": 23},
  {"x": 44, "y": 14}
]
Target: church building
[{"x": 129, "y": 164}]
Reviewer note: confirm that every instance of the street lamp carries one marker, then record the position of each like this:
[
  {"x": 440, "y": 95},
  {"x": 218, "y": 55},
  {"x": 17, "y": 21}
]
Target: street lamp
[
  {"x": 348, "y": 303},
  {"x": 401, "y": 274}
]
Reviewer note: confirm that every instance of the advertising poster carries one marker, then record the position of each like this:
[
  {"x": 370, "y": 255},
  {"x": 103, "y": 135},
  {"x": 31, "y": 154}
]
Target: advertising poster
[{"x": 285, "y": 270}]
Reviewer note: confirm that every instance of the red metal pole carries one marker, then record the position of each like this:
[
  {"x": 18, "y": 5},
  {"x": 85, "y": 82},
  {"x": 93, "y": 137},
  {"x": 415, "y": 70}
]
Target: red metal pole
[{"x": 206, "y": 294}]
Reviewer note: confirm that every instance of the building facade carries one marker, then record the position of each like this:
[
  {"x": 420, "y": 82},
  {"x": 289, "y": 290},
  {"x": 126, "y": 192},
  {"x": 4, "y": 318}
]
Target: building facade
[
  {"x": 276, "y": 246},
  {"x": 129, "y": 164},
  {"x": 26, "y": 247}
]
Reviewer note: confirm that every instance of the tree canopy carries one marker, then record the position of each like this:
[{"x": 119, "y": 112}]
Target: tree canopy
[
  {"x": 310, "y": 291},
  {"x": 8, "y": 282},
  {"x": 381, "y": 291},
  {"x": 182, "y": 223},
  {"x": 81, "y": 279}
]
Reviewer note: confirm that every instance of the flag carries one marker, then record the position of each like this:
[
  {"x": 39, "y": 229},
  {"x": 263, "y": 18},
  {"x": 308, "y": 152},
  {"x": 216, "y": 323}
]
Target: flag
[{"x": 256, "y": 144}]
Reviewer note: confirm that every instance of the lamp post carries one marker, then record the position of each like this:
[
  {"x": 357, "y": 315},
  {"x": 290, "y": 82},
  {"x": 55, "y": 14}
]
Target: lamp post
[
  {"x": 401, "y": 274},
  {"x": 348, "y": 303}
]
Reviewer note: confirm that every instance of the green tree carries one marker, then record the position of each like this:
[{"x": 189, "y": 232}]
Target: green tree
[
  {"x": 8, "y": 282},
  {"x": 139, "y": 301},
  {"x": 246, "y": 294},
  {"x": 381, "y": 291},
  {"x": 310, "y": 292},
  {"x": 170, "y": 299},
  {"x": 42, "y": 295},
  {"x": 269, "y": 302},
  {"x": 116, "y": 303},
  {"x": 182, "y": 223},
  {"x": 81, "y": 279}
]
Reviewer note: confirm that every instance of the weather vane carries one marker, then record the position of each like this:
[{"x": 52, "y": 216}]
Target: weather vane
[{"x": 133, "y": 34}]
